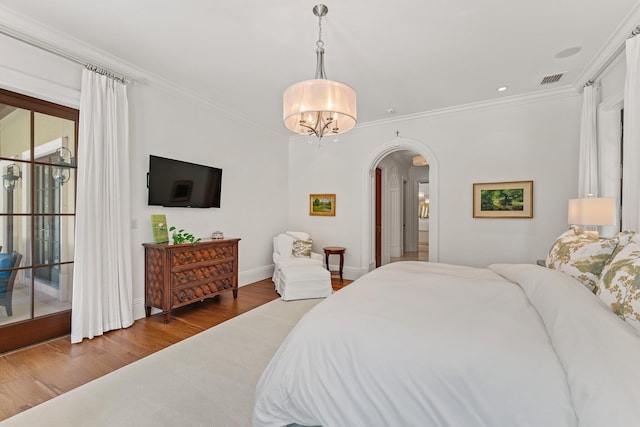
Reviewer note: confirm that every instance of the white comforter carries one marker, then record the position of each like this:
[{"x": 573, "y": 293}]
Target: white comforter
[{"x": 422, "y": 344}]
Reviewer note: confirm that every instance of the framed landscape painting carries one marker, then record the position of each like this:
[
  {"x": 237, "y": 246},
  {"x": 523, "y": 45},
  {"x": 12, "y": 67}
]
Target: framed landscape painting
[
  {"x": 503, "y": 200},
  {"x": 322, "y": 204}
]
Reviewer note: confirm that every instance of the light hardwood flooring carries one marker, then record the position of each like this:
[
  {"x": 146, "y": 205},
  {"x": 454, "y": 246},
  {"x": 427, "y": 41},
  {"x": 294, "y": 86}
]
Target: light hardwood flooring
[
  {"x": 38, "y": 373},
  {"x": 421, "y": 255}
]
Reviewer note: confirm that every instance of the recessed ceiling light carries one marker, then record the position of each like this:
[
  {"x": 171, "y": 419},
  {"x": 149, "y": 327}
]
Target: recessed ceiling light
[
  {"x": 502, "y": 88},
  {"x": 568, "y": 52}
]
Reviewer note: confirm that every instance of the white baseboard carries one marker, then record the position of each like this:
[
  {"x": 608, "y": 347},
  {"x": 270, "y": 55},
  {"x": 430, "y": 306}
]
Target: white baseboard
[
  {"x": 138, "y": 309},
  {"x": 255, "y": 275}
]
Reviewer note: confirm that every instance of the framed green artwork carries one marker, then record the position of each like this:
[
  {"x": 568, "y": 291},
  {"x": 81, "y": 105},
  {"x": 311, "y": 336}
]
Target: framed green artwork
[
  {"x": 322, "y": 204},
  {"x": 503, "y": 199}
]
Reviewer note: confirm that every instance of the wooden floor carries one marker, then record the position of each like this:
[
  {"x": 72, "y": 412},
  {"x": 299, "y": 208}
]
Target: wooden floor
[
  {"x": 38, "y": 373},
  {"x": 421, "y": 255}
]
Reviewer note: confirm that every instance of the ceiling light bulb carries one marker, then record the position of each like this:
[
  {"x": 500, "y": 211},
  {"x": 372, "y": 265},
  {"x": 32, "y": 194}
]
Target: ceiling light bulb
[{"x": 502, "y": 88}]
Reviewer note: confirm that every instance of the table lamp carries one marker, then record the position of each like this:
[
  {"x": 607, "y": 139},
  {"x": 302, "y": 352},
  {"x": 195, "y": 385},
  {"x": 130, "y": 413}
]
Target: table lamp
[{"x": 591, "y": 212}]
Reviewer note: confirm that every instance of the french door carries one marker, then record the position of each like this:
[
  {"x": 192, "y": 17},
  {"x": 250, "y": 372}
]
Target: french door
[{"x": 38, "y": 142}]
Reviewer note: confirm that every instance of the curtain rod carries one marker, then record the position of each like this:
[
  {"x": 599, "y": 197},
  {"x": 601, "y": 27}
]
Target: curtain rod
[
  {"x": 63, "y": 54},
  {"x": 613, "y": 57}
]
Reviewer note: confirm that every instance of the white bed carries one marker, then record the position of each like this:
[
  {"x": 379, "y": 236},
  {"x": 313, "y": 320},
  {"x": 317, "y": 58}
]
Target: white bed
[{"x": 424, "y": 344}]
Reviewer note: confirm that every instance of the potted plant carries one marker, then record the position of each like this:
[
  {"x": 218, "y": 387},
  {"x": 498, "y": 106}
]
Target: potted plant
[{"x": 181, "y": 236}]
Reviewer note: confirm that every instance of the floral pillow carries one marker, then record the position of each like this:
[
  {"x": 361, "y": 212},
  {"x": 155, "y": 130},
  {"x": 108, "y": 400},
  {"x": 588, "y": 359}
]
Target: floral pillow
[
  {"x": 624, "y": 238},
  {"x": 301, "y": 248},
  {"x": 619, "y": 285},
  {"x": 581, "y": 256}
]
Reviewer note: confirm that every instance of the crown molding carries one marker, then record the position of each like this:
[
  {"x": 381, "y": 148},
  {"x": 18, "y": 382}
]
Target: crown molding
[
  {"x": 544, "y": 95},
  {"x": 34, "y": 33},
  {"x": 610, "y": 51}
]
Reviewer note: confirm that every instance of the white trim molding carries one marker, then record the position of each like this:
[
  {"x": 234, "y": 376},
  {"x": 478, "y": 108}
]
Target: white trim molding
[{"x": 368, "y": 189}]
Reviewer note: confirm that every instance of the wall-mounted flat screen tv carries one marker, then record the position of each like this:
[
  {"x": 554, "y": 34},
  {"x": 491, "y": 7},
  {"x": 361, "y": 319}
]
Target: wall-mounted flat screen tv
[{"x": 174, "y": 183}]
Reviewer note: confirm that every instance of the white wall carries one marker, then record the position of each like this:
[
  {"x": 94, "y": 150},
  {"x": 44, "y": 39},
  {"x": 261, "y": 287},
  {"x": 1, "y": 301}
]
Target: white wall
[
  {"x": 254, "y": 177},
  {"x": 162, "y": 122},
  {"x": 527, "y": 139}
]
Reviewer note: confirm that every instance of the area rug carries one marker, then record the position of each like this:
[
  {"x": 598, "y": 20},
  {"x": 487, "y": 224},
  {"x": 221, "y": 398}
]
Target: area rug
[{"x": 206, "y": 380}]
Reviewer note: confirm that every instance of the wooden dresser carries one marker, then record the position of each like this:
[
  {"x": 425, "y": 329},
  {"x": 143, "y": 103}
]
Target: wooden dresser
[{"x": 177, "y": 275}]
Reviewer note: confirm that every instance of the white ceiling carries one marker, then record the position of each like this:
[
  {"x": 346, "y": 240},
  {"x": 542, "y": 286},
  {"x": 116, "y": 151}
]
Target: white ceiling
[{"x": 408, "y": 56}]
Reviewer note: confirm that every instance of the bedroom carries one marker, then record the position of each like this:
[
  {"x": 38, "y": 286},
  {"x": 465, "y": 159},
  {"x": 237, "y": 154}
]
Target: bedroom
[{"x": 465, "y": 145}]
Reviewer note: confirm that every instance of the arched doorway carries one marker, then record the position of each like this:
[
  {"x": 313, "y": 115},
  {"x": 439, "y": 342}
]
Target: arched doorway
[{"x": 369, "y": 187}]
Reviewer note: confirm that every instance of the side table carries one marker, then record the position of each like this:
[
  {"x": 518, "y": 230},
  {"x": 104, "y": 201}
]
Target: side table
[{"x": 335, "y": 250}]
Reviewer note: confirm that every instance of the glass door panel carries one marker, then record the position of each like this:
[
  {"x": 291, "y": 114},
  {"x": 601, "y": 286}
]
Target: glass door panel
[
  {"x": 15, "y": 280},
  {"x": 15, "y": 132},
  {"x": 37, "y": 208},
  {"x": 21, "y": 299}
]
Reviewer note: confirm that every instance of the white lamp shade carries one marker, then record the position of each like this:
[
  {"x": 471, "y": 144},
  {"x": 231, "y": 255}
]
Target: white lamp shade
[
  {"x": 592, "y": 211},
  {"x": 304, "y": 100}
]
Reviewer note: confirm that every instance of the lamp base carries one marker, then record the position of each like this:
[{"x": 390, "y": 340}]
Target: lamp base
[{"x": 592, "y": 234}]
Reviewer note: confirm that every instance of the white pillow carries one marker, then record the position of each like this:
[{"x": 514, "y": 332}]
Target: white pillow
[
  {"x": 300, "y": 235},
  {"x": 619, "y": 284}
]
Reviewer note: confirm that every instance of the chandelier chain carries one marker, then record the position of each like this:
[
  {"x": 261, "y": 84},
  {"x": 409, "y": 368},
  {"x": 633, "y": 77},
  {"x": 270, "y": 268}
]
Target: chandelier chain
[{"x": 320, "y": 43}]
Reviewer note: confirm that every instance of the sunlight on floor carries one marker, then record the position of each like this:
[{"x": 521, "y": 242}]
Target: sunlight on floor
[
  {"x": 421, "y": 255},
  {"x": 44, "y": 304}
]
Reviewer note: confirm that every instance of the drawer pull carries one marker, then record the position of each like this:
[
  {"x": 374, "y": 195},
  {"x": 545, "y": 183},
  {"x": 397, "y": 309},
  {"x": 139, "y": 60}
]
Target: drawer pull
[
  {"x": 185, "y": 258},
  {"x": 187, "y": 295},
  {"x": 187, "y": 277}
]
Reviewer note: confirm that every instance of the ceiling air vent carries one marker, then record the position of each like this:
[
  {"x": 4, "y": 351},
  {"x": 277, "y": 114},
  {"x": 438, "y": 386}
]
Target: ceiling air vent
[{"x": 551, "y": 79}]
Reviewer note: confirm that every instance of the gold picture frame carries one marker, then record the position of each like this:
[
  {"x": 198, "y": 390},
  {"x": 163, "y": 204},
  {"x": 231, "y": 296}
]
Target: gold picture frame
[
  {"x": 512, "y": 199},
  {"x": 322, "y": 204}
]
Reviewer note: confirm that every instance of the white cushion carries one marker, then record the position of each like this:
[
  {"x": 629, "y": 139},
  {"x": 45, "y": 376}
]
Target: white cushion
[
  {"x": 299, "y": 235},
  {"x": 299, "y": 261},
  {"x": 284, "y": 245},
  {"x": 304, "y": 281}
]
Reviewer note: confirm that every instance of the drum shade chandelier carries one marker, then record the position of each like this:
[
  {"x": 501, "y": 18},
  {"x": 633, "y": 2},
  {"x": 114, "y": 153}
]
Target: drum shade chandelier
[{"x": 319, "y": 106}]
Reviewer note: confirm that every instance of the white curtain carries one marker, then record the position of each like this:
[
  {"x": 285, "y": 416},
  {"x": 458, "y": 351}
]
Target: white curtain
[
  {"x": 102, "y": 289},
  {"x": 631, "y": 138},
  {"x": 588, "y": 160}
]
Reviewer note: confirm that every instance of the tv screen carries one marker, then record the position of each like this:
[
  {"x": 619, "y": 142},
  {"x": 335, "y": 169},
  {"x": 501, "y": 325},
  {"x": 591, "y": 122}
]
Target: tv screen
[{"x": 174, "y": 183}]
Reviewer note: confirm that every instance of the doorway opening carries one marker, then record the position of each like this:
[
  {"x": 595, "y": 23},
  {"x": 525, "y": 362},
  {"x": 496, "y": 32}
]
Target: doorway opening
[
  {"x": 394, "y": 204},
  {"x": 423, "y": 221}
]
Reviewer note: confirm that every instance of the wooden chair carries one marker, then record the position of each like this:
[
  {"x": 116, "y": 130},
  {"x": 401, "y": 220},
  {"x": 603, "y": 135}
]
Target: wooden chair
[{"x": 7, "y": 278}]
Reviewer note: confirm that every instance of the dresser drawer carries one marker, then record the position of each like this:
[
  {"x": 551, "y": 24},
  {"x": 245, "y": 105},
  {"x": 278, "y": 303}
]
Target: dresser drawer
[
  {"x": 186, "y": 276},
  {"x": 204, "y": 254},
  {"x": 187, "y": 294}
]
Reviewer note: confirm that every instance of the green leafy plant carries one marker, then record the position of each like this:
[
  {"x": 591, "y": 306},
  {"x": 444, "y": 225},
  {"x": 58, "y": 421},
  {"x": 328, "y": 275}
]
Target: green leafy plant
[{"x": 181, "y": 236}]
